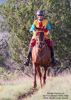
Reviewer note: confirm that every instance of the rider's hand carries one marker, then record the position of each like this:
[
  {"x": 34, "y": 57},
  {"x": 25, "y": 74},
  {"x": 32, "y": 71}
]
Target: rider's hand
[{"x": 45, "y": 30}]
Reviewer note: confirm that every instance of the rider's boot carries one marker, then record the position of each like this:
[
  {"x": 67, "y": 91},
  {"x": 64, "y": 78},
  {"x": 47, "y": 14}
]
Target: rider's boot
[
  {"x": 52, "y": 56},
  {"x": 28, "y": 57}
]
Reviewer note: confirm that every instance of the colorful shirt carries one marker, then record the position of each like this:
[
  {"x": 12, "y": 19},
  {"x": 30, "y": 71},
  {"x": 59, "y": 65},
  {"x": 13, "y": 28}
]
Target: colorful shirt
[{"x": 45, "y": 24}]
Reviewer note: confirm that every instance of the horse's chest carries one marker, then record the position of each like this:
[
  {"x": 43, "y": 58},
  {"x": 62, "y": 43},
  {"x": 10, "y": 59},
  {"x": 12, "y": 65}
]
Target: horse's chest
[{"x": 39, "y": 56}]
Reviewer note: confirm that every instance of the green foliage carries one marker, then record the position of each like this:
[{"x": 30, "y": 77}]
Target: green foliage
[
  {"x": 19, "y": 15},
  {"x": 1, "y": 58}
]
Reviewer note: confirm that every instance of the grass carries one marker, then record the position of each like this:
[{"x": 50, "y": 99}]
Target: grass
[
  {"x": 60, "y": 85},
  {"x": 13, "y": 91},
  {"x": 57, "y": 88},
  {"x": 12, "y": 85}
]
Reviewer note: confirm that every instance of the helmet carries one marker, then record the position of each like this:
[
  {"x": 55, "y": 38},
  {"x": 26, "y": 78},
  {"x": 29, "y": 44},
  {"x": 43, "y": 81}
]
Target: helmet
[{"x": 40, "y": 13}]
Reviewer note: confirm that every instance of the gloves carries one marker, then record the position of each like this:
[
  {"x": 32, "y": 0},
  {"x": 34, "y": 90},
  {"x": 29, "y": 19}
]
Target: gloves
[{"x": 45, "y": 30}]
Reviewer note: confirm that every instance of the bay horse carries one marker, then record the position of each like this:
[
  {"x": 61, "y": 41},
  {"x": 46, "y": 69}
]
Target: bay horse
[{"x": 41, "y": 56}]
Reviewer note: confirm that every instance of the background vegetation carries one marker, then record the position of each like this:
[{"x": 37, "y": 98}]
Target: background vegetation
[{"x": 18, "y": 16}]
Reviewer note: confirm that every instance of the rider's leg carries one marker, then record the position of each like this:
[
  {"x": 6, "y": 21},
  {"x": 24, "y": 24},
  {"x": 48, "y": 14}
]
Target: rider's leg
[
  {"x": 52, "y": 55},
  {"x": 32, "y": 43},
  {"x": 50, "y": 45},
  {"x": 28, "y": 57}
]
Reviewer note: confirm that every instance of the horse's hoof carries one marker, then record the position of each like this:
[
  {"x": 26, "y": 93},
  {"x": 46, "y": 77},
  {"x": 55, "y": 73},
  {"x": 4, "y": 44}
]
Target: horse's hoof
[
  {"x": 35, "y": 85},
  {"x": 44, "y": 83}
]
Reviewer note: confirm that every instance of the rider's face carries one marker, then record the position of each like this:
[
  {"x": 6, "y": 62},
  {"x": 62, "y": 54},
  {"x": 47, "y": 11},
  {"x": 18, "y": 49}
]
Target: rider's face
[{"x": 40, "y": 17}]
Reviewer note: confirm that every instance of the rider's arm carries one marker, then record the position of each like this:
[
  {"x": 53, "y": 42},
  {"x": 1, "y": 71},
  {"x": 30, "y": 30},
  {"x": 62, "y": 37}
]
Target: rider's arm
[
  {"x": 49, "y": 27},
  {"x": 32, "y": 28}
]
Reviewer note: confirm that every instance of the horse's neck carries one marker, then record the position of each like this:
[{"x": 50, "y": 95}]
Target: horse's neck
[{"x": 42, "y": 51}]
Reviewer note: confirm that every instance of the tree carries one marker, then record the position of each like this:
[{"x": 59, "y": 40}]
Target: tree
[{"x": 19, "y": 15}]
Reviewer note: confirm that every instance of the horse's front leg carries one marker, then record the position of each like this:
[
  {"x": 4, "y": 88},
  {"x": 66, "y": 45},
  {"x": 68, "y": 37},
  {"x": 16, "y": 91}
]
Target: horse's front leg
[
  {"x": 40, "y": 74},
  {"x": 35, "y": 72},
  {"x": 44, "y": 77}
]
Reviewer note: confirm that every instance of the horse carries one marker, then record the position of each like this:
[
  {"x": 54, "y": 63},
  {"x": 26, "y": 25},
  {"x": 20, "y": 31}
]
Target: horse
[{"x": 41, "y": 56}]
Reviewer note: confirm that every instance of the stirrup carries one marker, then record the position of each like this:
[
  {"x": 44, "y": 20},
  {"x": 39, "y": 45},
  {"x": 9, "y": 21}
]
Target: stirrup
[
  {"x": 27, "y": 63},
  {"x": 54, "y": 62}
]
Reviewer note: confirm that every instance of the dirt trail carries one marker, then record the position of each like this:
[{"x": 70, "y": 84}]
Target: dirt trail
[
  {"x": 22, "y": 88},
  {"x": 29, "y": 93},
  {"x": 56, "y": 88},
  {"x": 17, "y": 89}
]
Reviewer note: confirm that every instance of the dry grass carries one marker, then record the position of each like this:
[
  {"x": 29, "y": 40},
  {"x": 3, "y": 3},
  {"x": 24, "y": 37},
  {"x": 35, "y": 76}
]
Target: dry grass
[
  {"x": 12, "y": 90},
  {"x": 55, "y": 85}
]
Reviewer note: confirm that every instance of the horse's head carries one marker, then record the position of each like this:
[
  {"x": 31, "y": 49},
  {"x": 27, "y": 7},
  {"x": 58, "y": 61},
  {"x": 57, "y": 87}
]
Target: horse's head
[{"x": 40, "y": 39}]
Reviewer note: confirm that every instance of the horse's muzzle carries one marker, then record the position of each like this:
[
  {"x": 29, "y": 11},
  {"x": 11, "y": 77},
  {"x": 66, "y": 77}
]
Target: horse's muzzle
[{"x": 40, "y": 46}]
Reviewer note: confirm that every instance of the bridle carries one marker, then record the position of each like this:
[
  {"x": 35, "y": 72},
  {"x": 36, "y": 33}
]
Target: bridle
[{"x": 40, "y": 41}]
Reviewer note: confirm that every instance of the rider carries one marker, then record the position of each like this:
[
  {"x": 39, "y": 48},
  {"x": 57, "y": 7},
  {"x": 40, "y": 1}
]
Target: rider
[{"x": 41, "y": 23}]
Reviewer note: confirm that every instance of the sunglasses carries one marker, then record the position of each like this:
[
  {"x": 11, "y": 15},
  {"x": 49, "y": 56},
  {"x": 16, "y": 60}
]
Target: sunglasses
[{"x": 39, "y": 15}]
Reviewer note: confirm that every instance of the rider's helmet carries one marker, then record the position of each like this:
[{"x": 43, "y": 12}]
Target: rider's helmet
[{"x": 40, "y": 13}]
